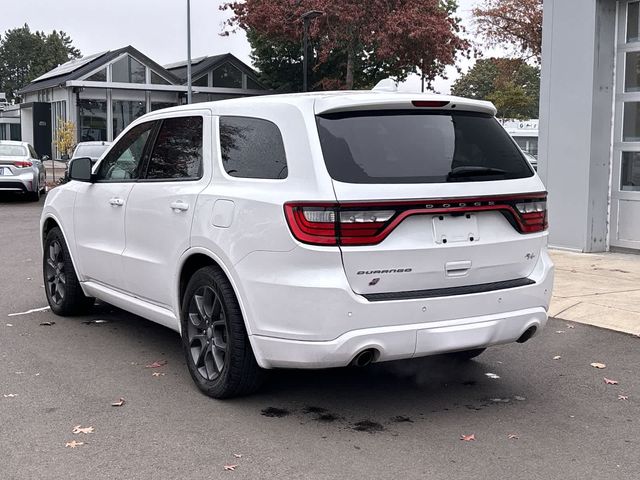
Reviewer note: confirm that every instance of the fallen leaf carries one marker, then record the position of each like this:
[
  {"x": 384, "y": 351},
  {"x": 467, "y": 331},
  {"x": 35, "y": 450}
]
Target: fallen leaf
[
  {"x": 157, "y": 374},
  {"x": 230, "y": 468},
  {"x": 570, "y": 326},
  {"x": 73, "y": 444},
  {"x": 78, "y": 429},
  {"x": 237, "y": 455},
  {"x": 519, "y": 398},
  {"x": 156, "y": 364},
  {"x": 608, "y": 381},
  {"x": 10, "y": 395},
  {"x": 513, "y": 436},
  {"x": 47, "y": 324},
  {"x": 598, "y": 365},
  {"x": 468, "y": 438},
  {"x": 623, "y": 397},
  {"x": 119, "y": 403},
  {"x": 557, "y": 357}
]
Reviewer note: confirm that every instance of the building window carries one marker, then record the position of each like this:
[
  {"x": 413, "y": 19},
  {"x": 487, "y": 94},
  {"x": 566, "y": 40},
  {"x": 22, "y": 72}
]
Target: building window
[
  {"x": 201, "y": 82},
  {"x": 128, "y": 70},
  {"x": 158, "y": 80},
  {"x": 633, "y": 22},
  {"x": 160, "y": 105},
  {"x": 253, "y": 85},
  {"x": 93, "y": 120},
  {"x": 125, "y": 112},
  {"x": 227, "y": 76},
  {"x": 632, "y": 72},
  {"x": 252, "y": 148},
  {"x": 631, "y": 122},
  {"x": 99, "y": 76},
  {"x": 177, "y": 154},
  {"x": 630, "y": 177}
]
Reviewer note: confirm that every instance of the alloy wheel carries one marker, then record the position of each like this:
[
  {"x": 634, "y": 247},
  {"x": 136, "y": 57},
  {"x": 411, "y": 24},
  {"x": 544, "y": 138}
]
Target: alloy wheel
[
  {"x": 207, "y": 332},
  {"x": 56, "y": 276}
]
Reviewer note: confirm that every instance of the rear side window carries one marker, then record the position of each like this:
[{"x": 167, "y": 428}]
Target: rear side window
[
  {"x": 418, "y": 147},
  {"x": 252, "y": 148},
  {"x": 177, "y": 153}
]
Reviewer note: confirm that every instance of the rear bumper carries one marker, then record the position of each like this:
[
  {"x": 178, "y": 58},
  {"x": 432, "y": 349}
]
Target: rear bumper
[
  {"x": 302, "y": 313},
  {"x": 393, "y": 343},
  {"x": 17, "y": 183}
]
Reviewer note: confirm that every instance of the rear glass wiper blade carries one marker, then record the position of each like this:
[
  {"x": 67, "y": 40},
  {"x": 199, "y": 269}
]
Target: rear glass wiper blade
[{"x": 473, "y": 171}]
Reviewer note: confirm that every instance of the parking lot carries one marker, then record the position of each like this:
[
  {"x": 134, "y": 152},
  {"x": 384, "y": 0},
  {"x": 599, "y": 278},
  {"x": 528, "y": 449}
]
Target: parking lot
[{"x": 543, "y": 413}]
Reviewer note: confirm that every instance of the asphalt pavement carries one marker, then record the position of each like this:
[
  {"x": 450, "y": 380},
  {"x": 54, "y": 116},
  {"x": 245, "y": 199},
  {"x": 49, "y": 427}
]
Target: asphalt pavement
[{"x": 543, "y": 413}]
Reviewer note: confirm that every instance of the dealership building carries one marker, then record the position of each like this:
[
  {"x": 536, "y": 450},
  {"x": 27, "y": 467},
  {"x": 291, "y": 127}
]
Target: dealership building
[
  {"x": 589, "y": 146},
  {"x": 103, "y": 93}
]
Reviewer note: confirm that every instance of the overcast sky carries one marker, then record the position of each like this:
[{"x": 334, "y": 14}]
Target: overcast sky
[{"x": 155, "y": 27}]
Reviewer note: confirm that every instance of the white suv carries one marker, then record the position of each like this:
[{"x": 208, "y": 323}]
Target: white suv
[{"x": 308, "y": 231}]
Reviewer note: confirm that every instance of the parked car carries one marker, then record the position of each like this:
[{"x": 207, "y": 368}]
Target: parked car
[
  {"x": 21, "y": 169},
  {"x": 308, "y": 231},
  {"x": 92, "y": 150}
]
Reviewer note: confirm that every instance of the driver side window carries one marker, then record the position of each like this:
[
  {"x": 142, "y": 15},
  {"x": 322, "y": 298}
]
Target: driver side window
[{"x": 124, "y": 160}]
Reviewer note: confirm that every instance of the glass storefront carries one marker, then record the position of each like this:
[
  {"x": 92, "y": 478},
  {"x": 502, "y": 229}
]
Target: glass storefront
[
  {"x": 92, "y": 116},
  {"x": 125, "y": 112}
]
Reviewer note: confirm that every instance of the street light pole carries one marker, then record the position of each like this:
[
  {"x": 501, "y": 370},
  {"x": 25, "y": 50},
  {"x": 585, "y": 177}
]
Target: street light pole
[
  {"x": 306, "y": 20},
  {"x": 189, "y": 86}
]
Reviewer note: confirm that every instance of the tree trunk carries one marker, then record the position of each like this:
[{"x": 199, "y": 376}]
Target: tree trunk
[{"x": 349, "y": 79}]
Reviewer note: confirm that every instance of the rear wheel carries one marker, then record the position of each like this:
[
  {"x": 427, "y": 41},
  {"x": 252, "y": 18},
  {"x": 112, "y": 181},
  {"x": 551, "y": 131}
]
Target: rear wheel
[
  {"x": 64, "y": 294},
  {"x": 214, "y": 338},
  {"x": 35, "y": 195},
  {"x": 466, "y": 355}
]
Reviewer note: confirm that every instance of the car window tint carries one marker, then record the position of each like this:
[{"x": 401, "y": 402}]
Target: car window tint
[
  {"x": 252, "y": 148},
  {"x": 409, "y": 146},
  {"x": 177, "y": 153},
  {"x": 123, "y": 160}
]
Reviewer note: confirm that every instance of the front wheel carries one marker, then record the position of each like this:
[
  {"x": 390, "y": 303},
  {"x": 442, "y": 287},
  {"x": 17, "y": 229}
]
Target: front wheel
[
  {"x": 64, "y": 294},
  {"x": 214, "y": 338}
]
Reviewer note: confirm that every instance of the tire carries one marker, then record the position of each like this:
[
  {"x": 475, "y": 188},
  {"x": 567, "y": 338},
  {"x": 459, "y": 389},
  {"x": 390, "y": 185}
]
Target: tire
[
  {"x": 35, "y": 195},
  {"x": 466, "y": 355},
  {"x": 214, "y": 338},
  {"x": 64, "y": 294}
]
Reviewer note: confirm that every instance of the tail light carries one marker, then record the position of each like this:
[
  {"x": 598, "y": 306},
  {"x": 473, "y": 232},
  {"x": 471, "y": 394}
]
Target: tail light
[
  {"x": 22, "y": 164},
  {"x": 351, "y": 224}
]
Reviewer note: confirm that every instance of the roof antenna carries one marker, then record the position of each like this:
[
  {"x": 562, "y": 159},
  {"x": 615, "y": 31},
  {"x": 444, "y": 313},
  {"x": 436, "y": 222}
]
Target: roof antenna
[{"x": 386, "y": 85}]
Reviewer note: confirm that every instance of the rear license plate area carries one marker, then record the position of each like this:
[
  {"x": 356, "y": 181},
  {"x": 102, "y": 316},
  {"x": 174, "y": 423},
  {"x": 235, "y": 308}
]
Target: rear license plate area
[
  {"x": 455, "y": 229},
  {"x": 5, "y": 171}
]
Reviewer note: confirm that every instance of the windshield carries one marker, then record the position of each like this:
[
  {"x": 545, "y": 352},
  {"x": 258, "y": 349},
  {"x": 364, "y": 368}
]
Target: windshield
[
  {"x": 91, "y": 151},
  {"x": 12, "y": 151},
  {"x": 400, "y": 146}
]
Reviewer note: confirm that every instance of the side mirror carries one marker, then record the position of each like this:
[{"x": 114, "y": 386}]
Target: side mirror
[
  {"x": 80, "y": 169},
  {"x": 45, "y": 158}
]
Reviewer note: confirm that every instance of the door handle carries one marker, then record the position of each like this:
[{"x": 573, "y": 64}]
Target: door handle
[
  {"x": 179, "y": 206},
  {"x": 116, "y": 202}
]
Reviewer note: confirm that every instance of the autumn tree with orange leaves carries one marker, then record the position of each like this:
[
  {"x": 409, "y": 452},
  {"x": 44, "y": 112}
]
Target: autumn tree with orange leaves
[
  {"x": 515, "y": 22},
  {"x": 406, "y": 36}
]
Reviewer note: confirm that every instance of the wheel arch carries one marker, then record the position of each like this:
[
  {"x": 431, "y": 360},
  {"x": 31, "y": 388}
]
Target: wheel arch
[
  {"x": 50, "y": 222},
  {"x": 197, "y": 258}
]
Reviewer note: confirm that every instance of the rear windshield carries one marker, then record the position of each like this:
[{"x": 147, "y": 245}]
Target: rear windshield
[
  {"x": 12, "y": 151},
  {"x": 418, "y": 147},
  {"x": 92, "y": 151}
]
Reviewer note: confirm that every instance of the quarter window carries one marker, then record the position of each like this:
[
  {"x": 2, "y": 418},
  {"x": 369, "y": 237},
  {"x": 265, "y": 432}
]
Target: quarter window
[
  {"x": 123, "y": 160},
  {"x": 177, "y": 153},
  {"x": 252, "y": 148}
]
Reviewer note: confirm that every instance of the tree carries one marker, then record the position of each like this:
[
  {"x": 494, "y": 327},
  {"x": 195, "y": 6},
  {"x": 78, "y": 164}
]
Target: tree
[
  {"x": 390, "y": 37},
  {"x": 510, "y": 83},
  {"x": 65, "y": 137},
  {"x": 517, "y": 22},
  {"x": 25, "y": 55}
]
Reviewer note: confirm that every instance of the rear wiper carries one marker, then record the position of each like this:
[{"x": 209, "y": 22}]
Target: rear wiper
[{"x": 473, "y": 171}]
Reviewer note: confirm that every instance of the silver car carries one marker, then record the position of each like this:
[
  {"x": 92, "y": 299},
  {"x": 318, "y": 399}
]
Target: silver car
[{"x": 21, "y": 169}]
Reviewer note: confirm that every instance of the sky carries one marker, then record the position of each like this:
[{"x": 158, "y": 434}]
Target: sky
[{"x": 157, "y": 28}]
